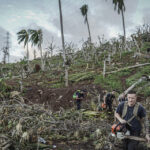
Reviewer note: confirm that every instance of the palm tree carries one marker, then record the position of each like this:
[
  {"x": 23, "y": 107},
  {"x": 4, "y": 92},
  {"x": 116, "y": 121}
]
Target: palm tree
[
  {"x": 84, "y": 11},
  {"x": 23, "y": 36},
  {"x": 120, "y": 6},
  {"x": 63, "y": 44},
  {"x": 36, "y": 39}
]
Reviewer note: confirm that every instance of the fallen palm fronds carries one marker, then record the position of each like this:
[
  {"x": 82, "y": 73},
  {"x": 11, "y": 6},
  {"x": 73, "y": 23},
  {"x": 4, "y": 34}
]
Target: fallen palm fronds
[{"x": 33, "y": 127}]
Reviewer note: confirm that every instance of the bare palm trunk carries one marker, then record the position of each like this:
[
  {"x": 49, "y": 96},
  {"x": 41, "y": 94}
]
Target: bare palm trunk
[
  {"x": 88, "y": 29},
  {"x": 104, "y": 68},
  {"x": 109, "y": 58},
  {"x": 28, "y": 68},
  {"x": 63, "y": 44},
  {"x": 8, "y": 57},
  {"x": 4, "y": 59},
  {"x": 34, "y": 53},
  {"x": 42, "y": 61},
  {"x": 51, "y": 53},
  {"x": 124, "y": 30},
  {"x": 66, "y": 76},
  {"x": 62, "y": 32},
  {"x": 27, "y": 53}
]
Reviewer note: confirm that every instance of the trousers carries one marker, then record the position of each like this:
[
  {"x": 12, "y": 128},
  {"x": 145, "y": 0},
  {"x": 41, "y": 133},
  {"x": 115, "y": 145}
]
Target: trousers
[
  {"x": 78, "y": 102},
  {"x": 131, "y": 144}
]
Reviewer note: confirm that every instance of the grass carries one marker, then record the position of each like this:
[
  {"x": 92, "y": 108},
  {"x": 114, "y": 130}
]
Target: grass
[
  {"x": 81, "y": 76},
  {"x": 125, "y": 72},
  {"x": 145, "y": 46},
  {"x": 139, "y": 72},
  {"x": 58, "y": 85},
  {"x": 109, "y": 82},
  {"x": 145, "y": 91}
]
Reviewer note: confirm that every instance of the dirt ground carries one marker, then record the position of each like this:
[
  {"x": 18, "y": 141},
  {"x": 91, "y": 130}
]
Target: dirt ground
[{"x": 60, "y": 97}]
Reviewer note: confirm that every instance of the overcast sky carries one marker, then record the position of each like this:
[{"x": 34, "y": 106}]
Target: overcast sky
[{"x": 33, "y": 14}]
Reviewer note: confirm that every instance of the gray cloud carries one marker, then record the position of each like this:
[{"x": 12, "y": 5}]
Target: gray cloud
[
  {"x": 146, "y": 15},
  {"x": 103, "y": 20},
  {"x": 101, "y": 17}
]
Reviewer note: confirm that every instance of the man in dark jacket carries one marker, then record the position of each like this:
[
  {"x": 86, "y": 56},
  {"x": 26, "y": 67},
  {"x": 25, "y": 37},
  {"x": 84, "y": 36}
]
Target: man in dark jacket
[
  {"x": 125, "y": 111},
  {"x": 122, "y": 98},
  {"x": 108, "y": 100},
  {"x": 80, "y": 95}
]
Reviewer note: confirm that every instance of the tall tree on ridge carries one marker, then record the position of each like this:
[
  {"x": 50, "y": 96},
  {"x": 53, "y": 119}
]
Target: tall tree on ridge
[
  {"x": 36, "y": 39},
  {"x": 23, "y": 36},
  {"x": 120, "y": 6},
  {"x": 63, "y": 44},
  {"x": 84, "y": 11}
]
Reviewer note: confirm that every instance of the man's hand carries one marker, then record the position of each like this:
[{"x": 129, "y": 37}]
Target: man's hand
[
  {"x": 122, "y": 121},
  {"x": 148, "y": 138}
]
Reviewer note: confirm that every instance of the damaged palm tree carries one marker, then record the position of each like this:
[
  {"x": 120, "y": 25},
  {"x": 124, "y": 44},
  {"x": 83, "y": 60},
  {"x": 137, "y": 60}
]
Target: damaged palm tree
[
  {"x": 36, "y": 37},
  {"x": 84, "y": 11}
]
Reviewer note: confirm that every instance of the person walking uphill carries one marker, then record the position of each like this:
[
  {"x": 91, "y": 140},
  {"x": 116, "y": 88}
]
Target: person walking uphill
[
  {"x": 108, "y": 100},
  {"x": 132, "y": 114},
  {"x": 79, "y": 95},
  {"x": 122, "y": 98}
]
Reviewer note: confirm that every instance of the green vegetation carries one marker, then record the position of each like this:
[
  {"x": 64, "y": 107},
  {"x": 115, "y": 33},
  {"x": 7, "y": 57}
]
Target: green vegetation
[
  {"x": 4, "y": 89},
  {"x": 145, "y": 46},
  {"x": 110, "y": 82},
  {"x": 145, "y": 91},
  {"x": 86, "y": 67},
  {"x": 57, "y": 85},
  {"x": 81, "y": 76},
  {"x": 138, "y": 74}
]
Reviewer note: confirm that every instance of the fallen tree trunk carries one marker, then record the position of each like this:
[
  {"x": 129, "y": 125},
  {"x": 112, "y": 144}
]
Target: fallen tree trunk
[
  {"x": 135, "y": 138},
  {"x": 144, "y": 78},
  {"x": 130, "y": 67},
  {"x": 133, "y": 85}
]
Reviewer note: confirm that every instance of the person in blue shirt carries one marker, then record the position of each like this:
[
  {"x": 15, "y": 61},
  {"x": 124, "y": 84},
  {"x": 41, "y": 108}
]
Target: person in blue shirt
[{"x": 136, "y": 125}]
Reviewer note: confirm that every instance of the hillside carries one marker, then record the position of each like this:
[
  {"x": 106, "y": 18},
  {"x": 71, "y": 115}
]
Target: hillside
[{"x": 45, "y": 108}]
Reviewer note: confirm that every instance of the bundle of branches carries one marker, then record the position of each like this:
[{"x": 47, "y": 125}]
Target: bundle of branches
[{"x": 23, "y": 126}]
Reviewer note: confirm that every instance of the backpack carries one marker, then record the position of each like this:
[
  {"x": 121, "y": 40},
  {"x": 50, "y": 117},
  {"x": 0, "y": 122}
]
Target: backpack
[
  {"x": 103, "y": 106},
  {"x": 108, "y": 98},
  {"x": 75, "y": 94}
]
